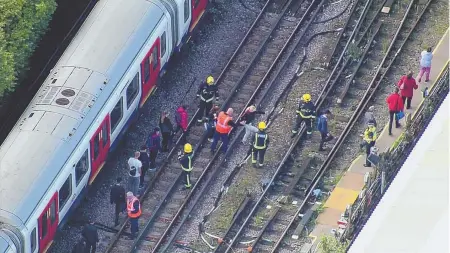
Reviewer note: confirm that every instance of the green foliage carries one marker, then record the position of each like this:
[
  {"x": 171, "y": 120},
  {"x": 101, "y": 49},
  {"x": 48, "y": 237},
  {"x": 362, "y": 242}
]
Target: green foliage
[
  {"x": 329, "y": 244},
  {"x": 22, "y": 23}
]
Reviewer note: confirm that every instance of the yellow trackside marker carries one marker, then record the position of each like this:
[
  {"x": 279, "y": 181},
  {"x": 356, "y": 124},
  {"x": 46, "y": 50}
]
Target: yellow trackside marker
[
  {"x": 96, "y": 173},
  {"x": 340, "y": 198}
]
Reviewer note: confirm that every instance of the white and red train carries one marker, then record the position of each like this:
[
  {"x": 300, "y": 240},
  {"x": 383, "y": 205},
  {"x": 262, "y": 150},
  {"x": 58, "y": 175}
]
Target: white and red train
[{"x": 62, "y": 140}]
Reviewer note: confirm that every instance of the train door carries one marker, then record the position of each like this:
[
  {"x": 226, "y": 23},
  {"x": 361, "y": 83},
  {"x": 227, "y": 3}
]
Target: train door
[
  {"x": 198, "y": 9},
  {"x": 48, "y": 223},
  {"x": 100, "y": 144},
  {"x": 150, "y": 68}
]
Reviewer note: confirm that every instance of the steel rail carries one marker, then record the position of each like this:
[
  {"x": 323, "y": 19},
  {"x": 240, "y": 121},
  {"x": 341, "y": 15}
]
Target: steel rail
[
  {"x": 190, "y": 124},
  {"x": 372, "y": 87},
  {"x": 260, "y": 85}
]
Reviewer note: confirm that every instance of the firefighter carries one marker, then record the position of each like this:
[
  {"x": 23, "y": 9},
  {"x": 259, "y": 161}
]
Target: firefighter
[
  {"x": 206, "y": 92},
  {"x": 260, "y": 143},
  {"x": 306, "y": 112},
  {"x": 370, "y": 136},
  {"x": 186, "y": 164},
  {"x": 134, "y": 212}
]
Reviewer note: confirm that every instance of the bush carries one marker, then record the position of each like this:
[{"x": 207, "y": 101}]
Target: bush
[
  {"x": 329, "y": 244},
  {"x": 22, "y": 23}
]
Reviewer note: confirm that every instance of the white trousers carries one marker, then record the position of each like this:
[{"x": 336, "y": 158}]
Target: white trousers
[{"x": 249, "y": 131}]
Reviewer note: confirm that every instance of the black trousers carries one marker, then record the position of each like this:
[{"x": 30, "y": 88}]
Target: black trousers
[
  {"x": 368, "y": 146},
  {"x": 187, "y": 178},
  {"x": 258, "y": 154},
  {"x": 391, "y": 118},
  {"x": 408, "y": 102},
  {"x": 325, "y": 138},
  {"x": 166, "y": 137},
  {"x": 204, "y": 107},
  {"x": 298, "y": 123},
  {"x": 90, "y": 248},
  {"x": 153, "y": 155},
  {"x": 144, "y": 170},
  {"x": 118, "y": 209},
  {"x": 183, "y": 140}
]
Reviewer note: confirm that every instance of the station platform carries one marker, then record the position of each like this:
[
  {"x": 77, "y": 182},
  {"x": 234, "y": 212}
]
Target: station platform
[{"x": 352, "y": 182}]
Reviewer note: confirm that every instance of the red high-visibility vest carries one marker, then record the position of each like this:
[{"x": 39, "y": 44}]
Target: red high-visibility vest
[
  {"x": 222, "y": 123},
  {"x": 130, "y": 208}
]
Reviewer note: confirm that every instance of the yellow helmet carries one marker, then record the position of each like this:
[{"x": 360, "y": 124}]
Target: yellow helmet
[
  {"x": 262, "y": 125},
  {"x": 187, "y": 148},
  {"x": 306, "y": 97},
  {"x": 210, "y": 80}
]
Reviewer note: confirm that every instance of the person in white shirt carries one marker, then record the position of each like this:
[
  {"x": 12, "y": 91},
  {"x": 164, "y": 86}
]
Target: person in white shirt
[{"x": 135, "y": 167}]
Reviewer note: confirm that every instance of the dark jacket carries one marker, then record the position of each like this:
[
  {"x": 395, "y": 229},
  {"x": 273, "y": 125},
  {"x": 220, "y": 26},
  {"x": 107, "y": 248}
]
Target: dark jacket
[
  {"x": 79, "y": 247},
  {"x": 207, "y": 92},
  {"x": 90, "y": 234},
  {"x": 181, "y": 117},
  {"x": 117, "y": 194},
  {"x": 166, "y": 126},
  {"x": 408, "y": 85},
  {"x": 395, "y": 102},
  {"x": 322, "y": 124},
  {"x": 154, "y": 142},
  {"x": 145, "y": 159},
  {"x": 186, "y": 162},
  {"x": 135, "y": 206},
  {"x": 306, "y": 110},
  {"x": 260, "y": 140},
  {"x": 249, "y": 117}
]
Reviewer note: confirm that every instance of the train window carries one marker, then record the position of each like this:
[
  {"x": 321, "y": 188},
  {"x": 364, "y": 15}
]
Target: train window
[
  {"x": 146, "y": 73},
  {"x": 96, "y": 147},
  {"x": 154, "y": 57},
  {"x": 163, "y": 44},
  {"x": 132, "y": 90},
  {"x": 81, "y": 168},
  {"x": 104, "y": 134},
  {"x": 33, "y": 240},
  {"x": 44, "y": 224},
  {"x": 187, "y": 10},
  {"x": 65, "y": 192},
  {"x": 117, "y": 114},
  {"x": 53, "y": 212}
]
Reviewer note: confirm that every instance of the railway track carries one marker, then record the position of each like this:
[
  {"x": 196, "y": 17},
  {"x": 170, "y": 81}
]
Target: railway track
[
  {"x": 164, "y": 199},
  {"x": 272, "y": 224}
]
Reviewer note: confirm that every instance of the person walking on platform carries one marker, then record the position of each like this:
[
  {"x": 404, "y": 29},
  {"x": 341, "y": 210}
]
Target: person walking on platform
[
  {"x": 223, "y": 127},
  {"x": 134, "y": 212},
  {"x": 181, "y": 118},
  {"x": 306, "y": 112},
  {"x": 211, "y": 120},
  {"x": 145, "y": 160},
  {"x": 186, "y": 164},
  {"x": 249, "y": 117},
  {"x": 206, "y": 92},
  {"x": 395, "y": 105},
  {"x": 370, "y": 136},
  {"x": 322, "y": 126},
  {"x": 154, "y": 146},
  {"x": 260, "y": 144},
  {"x": 117, "y": 197},
  {"x": 90, "y": 236},
  {"x": 407, "y": 85},
  {"x": 166, "y": 131},
  {"x": 425, "y": 65}
]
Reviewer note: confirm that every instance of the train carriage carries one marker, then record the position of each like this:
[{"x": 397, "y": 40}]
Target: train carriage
[{"x": 62, "y": 140}]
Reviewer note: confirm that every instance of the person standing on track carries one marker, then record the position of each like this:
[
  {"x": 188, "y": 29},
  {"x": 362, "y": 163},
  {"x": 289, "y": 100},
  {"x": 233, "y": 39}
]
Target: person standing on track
[
  {"x": 135, "y": 166},
  {"x": 322, "y": 126},
  {"x": 186, "y": 164},
  {"x": 134, "y": 212},
  {"x": 154, "y": 146},
  {"x": 90, "y": 236},
  {"x": 249, "y": 117},
  {"x": 407, "y": 85},
  {"x": 306, "y": 112},
  {"x": 223, "y": 127},
  {"x": 145, "y": 160},
  {"x": 211, "y": 120},
  {"x": 260, "y": 143},
  {"x": 425, "y": 65},
  {"x": 395, "y": 105},
  {"x": 117, "y": 197},
  {"x": 166, "y": 130},
  {"x": 181, "y": 118},
  {"x": 206, "y": 92},
  {"x": 370, "y": 136}
]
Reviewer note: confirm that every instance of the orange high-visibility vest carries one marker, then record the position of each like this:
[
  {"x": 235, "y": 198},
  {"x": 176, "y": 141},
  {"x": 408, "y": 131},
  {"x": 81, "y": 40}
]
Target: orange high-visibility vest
[
  {"x": 130, "y": 208},
  {"x": 222, "y": 123}
]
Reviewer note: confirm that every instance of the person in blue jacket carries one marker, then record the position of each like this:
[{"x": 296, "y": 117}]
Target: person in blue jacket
[
  {"x": 322, "y": 126},
  {"x": 154, "y": 146}
]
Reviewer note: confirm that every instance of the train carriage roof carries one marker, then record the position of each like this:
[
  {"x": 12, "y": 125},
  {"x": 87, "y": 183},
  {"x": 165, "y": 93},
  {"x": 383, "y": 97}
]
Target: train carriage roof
[{"x": 42, "y": 141}]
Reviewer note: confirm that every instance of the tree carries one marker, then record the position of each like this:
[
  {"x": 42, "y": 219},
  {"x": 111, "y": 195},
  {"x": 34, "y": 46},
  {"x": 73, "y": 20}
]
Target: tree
[{"x": 329, "y": 244}]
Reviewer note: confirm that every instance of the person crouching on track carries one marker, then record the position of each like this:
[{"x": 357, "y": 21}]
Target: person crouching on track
[
  {"x": 306, "y": 112},
  {"x": 186, "y": 164},
  {"x": 223, "y": 127},
  {"x": 322, "y": 126},
  {"x": 211, "y": 120},
  {"x": 134, "y": 212},
  {"x": 249, "y": 117},
  {"x": 181, "y": 118},
  {"x": 206, "y": 92},
  {"x": 370, "y": 136},
  {"x": 260, "y": 143},
  {"x": 154, "y": 146}
]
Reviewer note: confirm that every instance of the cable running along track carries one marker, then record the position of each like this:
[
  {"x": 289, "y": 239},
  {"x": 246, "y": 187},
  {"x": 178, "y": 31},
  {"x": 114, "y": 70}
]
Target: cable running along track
[{"x": 291, "y": 190}]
